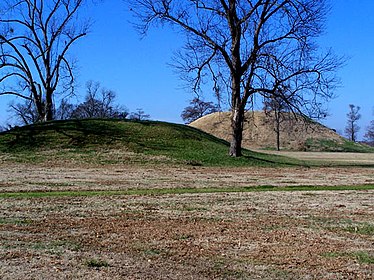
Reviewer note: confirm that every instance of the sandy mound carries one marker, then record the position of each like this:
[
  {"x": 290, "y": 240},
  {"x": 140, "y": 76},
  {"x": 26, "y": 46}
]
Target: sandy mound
[{"x": 259, "y": 131}]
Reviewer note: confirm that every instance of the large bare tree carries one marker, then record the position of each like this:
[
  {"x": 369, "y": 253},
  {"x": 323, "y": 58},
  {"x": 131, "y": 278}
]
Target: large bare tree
[
  {"x": 35, "y": 36},
  {"x": 249, "y": 47}
]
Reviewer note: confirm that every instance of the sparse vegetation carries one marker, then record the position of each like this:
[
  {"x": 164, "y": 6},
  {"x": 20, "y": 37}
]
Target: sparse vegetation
[
  {"x": 364, "y": 228},
  {"x": 360, "y": 256},
  {"x": 264, "y": 235}
]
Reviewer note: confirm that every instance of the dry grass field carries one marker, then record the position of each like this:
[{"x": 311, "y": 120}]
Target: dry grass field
[
  {"x": 109, "y": 199},
  {"x": 328, "y": 157},
  {"x": 229, "y": 235}
]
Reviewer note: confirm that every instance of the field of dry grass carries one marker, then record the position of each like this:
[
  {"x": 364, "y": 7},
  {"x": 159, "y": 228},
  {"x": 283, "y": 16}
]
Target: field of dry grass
[
  {"x": 251, "y": 235},
  {"x": 328, "y": 157}
]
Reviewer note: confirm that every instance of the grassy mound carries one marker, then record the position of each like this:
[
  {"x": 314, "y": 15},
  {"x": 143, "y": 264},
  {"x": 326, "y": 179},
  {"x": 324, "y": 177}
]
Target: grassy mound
[{"x": 119, "y": 142}]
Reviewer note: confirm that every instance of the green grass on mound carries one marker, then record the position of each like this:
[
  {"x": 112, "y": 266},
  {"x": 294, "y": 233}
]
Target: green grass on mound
[
  {"x": 123, "y": 141},
  {"x": 328, "y": 145}
]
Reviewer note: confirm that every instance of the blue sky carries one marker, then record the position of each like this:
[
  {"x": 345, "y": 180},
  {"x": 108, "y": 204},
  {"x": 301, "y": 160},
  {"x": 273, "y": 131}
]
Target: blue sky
[{"x": 137, "y": 69}]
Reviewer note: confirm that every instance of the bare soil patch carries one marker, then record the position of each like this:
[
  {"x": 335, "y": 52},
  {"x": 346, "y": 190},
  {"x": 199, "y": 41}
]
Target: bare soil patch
[{"x": 261, "y": 235}]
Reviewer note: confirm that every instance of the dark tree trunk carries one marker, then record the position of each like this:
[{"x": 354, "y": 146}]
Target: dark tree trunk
[
  {"x": 237, "y": 119},
  {"x": 278, "y": 139},
  {"x": 48, "y": 106},
  {"x": 237, "y": 111},
  {"x": 277, "y": 123}
]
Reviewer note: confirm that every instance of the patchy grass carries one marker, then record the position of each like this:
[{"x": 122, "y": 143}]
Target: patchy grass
[
  {"x": 56, "y": 247},
  {"x": 18, "y": 222},
  {"x": 365, "y": 228},
  {"x": 360, "y": 256},
  {"x": 258, "y": 235},
  {"x": 96, "y": 263},
  {"x": 165, "y": 191}
]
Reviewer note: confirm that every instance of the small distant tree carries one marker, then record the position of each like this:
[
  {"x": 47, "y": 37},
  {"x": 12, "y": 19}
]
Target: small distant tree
[
  {"x": 197, "y": 109},
  {"x": 369, "y": 135},
  {"x": 139, "y": 115},
  {"x": 277, "y": 110},
  {"x": 99, "y": 103},
  {"x": 352, "y": 128}
]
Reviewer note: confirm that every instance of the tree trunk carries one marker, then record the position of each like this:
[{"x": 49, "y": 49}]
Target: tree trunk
[
  {"x": 48, "y": 106},
  {"x": 277, "y": 121},
  {"x": 278, "y": 139},
  {"x": 237, "y": 119}
]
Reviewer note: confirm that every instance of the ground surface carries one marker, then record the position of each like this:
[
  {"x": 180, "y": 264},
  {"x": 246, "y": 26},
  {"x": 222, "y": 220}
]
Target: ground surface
[
  {"x": 257, "y": 235},
  {"x": 335, "y": 157}
]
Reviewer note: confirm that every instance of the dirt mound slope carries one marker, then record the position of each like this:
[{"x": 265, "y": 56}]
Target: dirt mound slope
[{"x": 259, "y": 131}]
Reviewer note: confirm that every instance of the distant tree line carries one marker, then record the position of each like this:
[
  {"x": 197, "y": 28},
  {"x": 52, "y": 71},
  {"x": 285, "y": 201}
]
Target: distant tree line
[{"x": 98, "y": 102}]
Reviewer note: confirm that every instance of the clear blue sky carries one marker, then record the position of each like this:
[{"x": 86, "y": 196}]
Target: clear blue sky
[{"x": 136, "y": 69}]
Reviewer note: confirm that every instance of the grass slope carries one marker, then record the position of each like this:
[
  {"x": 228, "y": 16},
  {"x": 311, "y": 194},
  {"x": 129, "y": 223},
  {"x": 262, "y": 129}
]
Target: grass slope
[{"x": 123, "y": 141}]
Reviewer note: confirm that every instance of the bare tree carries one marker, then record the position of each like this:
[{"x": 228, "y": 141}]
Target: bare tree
[
  {"x": 25, "y": 113},
  {"x": 35, "y": 37},
  {"x": 99, "y": 103},
  {"x": 139, "y": 115},
  {"x": 65, "y": 110},
  {"x": 369, "y": 135},
  {"x": 279, "y": 111},
  {"x": 249, "y": 47},
  {"x": 197, "y": 109},
  {"x": 352, "y": 128}
]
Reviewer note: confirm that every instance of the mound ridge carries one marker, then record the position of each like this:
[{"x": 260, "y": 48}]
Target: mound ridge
[{"x": 259, "y": 131}]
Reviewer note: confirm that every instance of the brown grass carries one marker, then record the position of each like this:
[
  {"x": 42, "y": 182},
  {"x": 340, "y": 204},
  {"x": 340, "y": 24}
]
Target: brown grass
[{"x": 268, "y": 235}]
